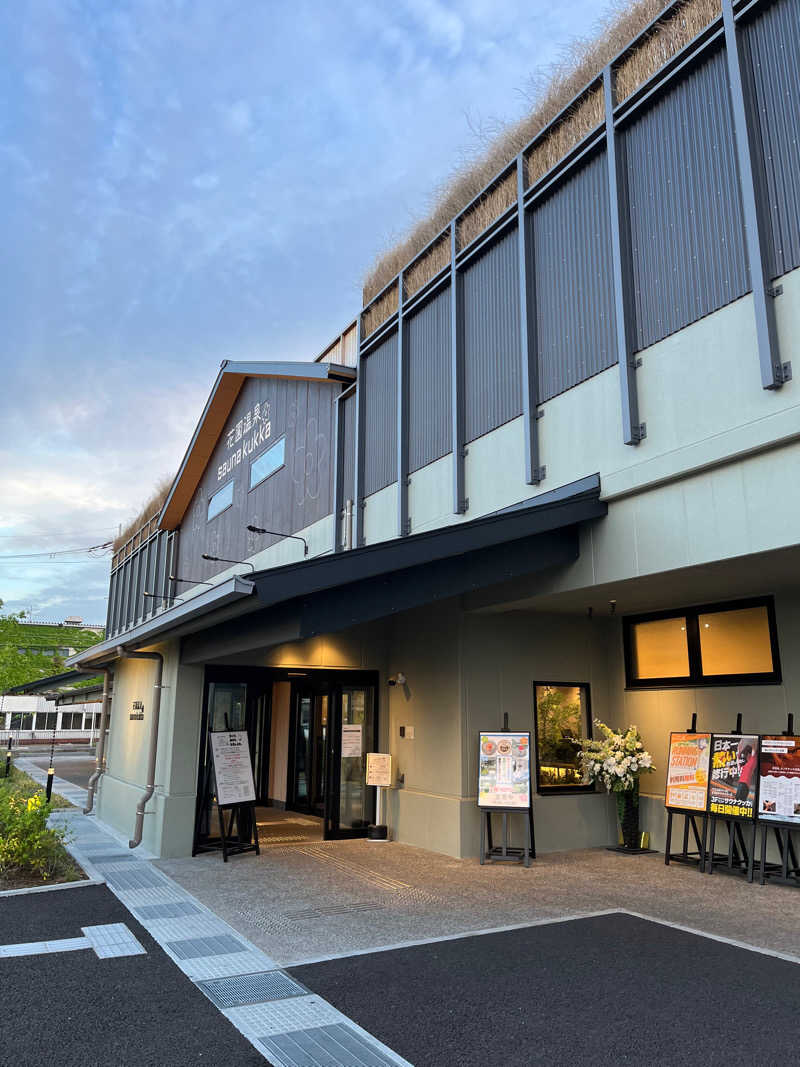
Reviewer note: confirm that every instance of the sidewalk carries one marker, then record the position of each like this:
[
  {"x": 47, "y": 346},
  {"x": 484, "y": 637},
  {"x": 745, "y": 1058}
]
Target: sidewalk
[{"x": 289, "y": 1025}]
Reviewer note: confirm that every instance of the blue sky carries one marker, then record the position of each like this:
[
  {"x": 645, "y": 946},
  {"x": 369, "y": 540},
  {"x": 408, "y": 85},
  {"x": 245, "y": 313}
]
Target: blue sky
[{"x": 188, "y": 182}]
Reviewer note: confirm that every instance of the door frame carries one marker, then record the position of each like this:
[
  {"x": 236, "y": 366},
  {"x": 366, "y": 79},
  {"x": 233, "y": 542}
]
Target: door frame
[{"x": 330, "y": 824}]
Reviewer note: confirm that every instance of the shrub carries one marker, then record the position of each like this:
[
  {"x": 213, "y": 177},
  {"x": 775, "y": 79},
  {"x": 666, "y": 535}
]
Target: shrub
[{"x": 27, "y": 844}]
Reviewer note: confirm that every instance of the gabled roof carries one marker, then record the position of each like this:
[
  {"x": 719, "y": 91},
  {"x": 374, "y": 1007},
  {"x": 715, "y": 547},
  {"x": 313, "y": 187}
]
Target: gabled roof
[{"x": 219, "y": 405}]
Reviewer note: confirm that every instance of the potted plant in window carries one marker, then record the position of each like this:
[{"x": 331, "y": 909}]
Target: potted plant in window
[{"x": 617, "y": 760}]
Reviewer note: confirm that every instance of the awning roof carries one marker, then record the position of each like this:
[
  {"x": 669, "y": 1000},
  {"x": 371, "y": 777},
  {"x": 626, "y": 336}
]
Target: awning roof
[
  {"x": 219, "y": 405},
  {"x": 52, "y": 683},
  {"x": 333, "y": 592},
  {"x": 339, "y": 590}
]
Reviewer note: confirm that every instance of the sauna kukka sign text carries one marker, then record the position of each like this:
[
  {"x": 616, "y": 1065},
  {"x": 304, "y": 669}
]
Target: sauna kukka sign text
[{"x": 256, "y": 422}]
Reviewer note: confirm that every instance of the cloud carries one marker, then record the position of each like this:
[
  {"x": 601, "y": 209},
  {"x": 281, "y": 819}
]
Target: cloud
[{"x": 200, "y": 182}]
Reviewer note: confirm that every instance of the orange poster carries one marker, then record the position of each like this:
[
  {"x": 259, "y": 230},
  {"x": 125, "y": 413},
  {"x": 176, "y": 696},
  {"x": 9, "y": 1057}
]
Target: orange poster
[{"x": 687, "y": 771}]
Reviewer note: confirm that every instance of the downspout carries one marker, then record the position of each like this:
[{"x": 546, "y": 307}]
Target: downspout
[
  {"x": 151, "y": 755},
  {"x": 101, "y": 741}
]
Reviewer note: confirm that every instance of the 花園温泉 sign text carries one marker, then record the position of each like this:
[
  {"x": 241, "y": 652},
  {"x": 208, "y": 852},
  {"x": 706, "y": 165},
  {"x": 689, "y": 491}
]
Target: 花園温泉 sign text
[{"x": 245, "y": 436}]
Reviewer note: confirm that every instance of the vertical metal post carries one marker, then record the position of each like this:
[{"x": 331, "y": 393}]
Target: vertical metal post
[
  {"x": 338, "y": 470},
  {"x": 359, "y": 457},
  {"x": 403, "y": 524},
  {"x": 534, "y": 473},
  {"x": 460, "y": 502},
  {"x": 756, "y": 227},
  {"x": 632, "y": 430}
]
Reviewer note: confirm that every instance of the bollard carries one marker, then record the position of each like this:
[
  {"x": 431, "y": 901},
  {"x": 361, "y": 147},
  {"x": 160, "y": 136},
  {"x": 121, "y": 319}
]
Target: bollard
[
  {"x": 51, "y": 769},
  {"x": 8, "y": 755}
]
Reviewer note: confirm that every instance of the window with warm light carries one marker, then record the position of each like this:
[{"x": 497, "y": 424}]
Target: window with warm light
[
  {"x": 714, "y": 644},
  {"x": 563, "y": 717}
]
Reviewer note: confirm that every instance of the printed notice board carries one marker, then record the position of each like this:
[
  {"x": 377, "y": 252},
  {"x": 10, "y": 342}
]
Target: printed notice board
[
  {"x": 504, "y": 770},
  {"x": 232, "y": 768},
  {"x": 779, "y": 779},
  {"x": 379, "y": 769},
  {"x": 734, "y": 775},
  {"x": 687, "y": 771},
  {"x": 351, "y": 740}
]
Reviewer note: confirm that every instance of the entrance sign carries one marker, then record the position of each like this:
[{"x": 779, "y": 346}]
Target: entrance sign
[
  {"x": 734, "y": 776},
  {"x": 351, "y": 740},
  {"x": 379, "y": 769},
  {"x": 232, "y": 767},
  {"x": 687, "y": 771},
  {"x": 779, "y": 781},
  {"x": 504, "y": 770}
]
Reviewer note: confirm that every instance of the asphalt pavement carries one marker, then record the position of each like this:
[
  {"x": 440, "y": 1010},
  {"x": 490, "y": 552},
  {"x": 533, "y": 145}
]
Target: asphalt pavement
[
  {"x": 611, "y": 989},
  {"x": 73, "y": 1009},
  {"x": 74, "y": 768}
]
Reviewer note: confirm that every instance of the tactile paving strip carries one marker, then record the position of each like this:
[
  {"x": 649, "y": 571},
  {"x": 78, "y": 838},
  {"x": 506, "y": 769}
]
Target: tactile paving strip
[
  {"x": 251, "y": 989},
  {"x": 338, "y": 1045},
  {"x": 333, "y": 909},
  {"x": 112, "y": 940}
]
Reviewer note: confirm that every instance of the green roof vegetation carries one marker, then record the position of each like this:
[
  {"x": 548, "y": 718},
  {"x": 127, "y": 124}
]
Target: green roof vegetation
[{"x": 18, "y": 667}]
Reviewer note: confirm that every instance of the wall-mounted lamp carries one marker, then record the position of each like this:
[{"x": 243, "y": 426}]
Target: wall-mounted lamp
[
  {"x": 189, "y": 581},
  {"x": 160, "y": 596},
  {"x": 275, "y": 533},
  {"x": 613, "y": 605},
  {"x": 397, "y": 679},
  {"x": 221, "y": 559}
]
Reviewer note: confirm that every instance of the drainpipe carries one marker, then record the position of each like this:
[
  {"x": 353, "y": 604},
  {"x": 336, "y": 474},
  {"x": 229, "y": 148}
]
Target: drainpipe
[
  {"x": 151, "y": 755},
  {"x": 101, "y": 741}
]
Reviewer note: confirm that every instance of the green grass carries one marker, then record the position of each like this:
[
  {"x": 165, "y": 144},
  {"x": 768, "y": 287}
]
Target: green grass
[{"x": 22, "y": 785}]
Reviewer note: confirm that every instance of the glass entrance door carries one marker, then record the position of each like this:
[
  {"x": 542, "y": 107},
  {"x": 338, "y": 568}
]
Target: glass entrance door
[
  {"x": 309, "y": 750},
  {"x": 350, "y": 807}
]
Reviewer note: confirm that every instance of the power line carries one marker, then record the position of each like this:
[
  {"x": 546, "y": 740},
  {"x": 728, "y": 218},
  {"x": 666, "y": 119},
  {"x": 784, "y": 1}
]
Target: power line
[{"x": 105, "y": 547}]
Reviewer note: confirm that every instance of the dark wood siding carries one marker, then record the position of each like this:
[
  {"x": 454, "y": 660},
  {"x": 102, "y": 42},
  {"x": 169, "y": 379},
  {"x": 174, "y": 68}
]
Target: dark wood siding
[{"x": 294, "y": 497}]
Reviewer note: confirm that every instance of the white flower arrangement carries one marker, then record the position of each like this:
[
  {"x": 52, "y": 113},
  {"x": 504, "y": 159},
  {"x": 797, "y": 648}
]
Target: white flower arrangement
[{"x": 617, "y": 759}]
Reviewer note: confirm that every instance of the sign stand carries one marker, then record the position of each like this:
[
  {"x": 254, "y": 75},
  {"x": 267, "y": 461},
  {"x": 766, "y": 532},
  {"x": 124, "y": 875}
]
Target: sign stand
[
  {"x": 506, "y": 853},
  {"x": 504, "y": 775},
  {"x": 739, "y": 857},
  {"x": 690, "y": 816},
  {"x": 789, "y": 874},
  {"x": 235, "y": 795},
  {"x": 694, "y": 859}
]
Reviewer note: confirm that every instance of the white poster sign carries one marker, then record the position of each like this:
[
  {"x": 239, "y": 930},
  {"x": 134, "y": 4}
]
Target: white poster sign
[
  {"x": 232, "y": 767},
  {"x": 504, "y": 770},
  {"x": 379, "y": 769},
  {"x": 351, "y": 740}
]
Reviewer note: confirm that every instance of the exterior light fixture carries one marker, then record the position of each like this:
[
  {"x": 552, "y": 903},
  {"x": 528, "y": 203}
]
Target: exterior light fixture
[
  {"x": 221, "y": 559},
  {"x": 160, "y": 596},
  {"x": 189, "y": 581},
  {"x": 275, "y": 533},
  {"x": 397, "y": 679},
  {"x": 613, "y": 605}
]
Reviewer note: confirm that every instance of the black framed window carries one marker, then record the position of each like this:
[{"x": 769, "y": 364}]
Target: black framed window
[
  {"x": 220, "y": 501},
  {"x": 734, "y": 643},
  {"x": 562, "y": 715}
]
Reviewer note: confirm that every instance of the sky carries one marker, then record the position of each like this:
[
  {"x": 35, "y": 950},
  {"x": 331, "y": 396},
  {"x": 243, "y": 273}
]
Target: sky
[{"x": 186, "y": 182}]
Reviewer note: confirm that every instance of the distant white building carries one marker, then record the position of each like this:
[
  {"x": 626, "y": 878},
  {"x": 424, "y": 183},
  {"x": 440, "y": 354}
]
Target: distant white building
[{"x": 33, "y": 719}]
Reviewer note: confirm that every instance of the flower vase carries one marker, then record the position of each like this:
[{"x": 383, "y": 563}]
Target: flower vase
[{"x": 628, "y": 814}]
